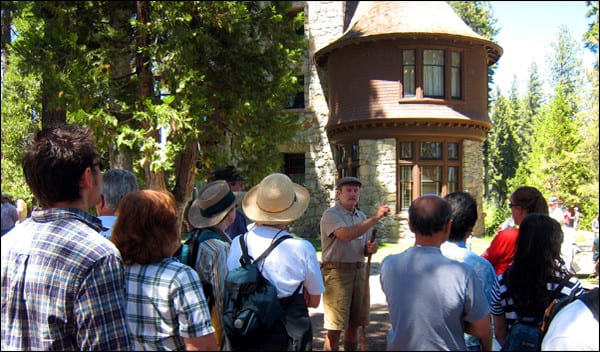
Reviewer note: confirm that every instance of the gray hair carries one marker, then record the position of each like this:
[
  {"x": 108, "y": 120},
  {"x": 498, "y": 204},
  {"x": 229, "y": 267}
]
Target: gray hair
[{"x": 115, "y": 184}]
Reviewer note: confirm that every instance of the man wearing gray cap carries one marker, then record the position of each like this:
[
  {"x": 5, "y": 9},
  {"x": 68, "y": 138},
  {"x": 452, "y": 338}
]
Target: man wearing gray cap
[{"x": 345, "y": 233}]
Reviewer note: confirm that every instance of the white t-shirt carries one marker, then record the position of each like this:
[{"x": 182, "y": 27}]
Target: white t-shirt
[{"x": 574, "y": 328}]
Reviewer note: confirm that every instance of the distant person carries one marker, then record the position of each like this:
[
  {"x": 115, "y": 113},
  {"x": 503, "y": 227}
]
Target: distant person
[
  {"x": 536, "y": 276},
  {"x": 235, "y": 181},
  {"x": 21, "y": 210},
  {"x": 292, "y": 267},
  {"x": 433, "y": 300},
  {"x": 166, "y": 308},
  {"x": 116, "y": 183},
  {"x": 62, "y": 281},
  {"x": 524, "y": 200},
  {"x": 568, "y": 217},
  {"x": 464, "y": 217},
  {"x": 576, "y": 216},
  {"x": 555, "y": 210},
  {"x": 10, "y": 216},
  {"x": 345, "y": 239},
  {"x": 574, "y": 327},
  {"x": 212, "y": 212}
]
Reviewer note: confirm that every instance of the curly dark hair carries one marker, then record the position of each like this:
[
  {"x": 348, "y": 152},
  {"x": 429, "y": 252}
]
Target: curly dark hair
[{"x": 536, "y": 263}]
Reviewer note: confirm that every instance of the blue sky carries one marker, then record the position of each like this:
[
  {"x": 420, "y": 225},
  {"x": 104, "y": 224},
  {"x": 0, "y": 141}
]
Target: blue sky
[{"x": 527, "y": 28}]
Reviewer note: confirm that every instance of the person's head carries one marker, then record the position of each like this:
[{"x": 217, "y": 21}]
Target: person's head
[
  {"x": 275, "y": 200},
  {"x": 115, "y": 184},
  {"x": 429, "y": 214},
  {"x": 348, "y": 191},
  {"x": 553, "y": 202},
  {"x": 536, "y": 261},
  {"x": 215, "y": 205},
  {"x": 146, "y": 230},
  {"x": 21, "y": 206},
  {"x": 230, "y": 175},
  {"x": 62, "y": 165},
  {"x": 527, "y": 200},
  {"x": 5, "y": 198},
  {"x": 464, "y": 215}
]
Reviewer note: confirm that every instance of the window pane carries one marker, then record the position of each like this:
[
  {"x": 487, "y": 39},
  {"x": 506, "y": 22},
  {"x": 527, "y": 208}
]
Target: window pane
[
  {"x": 433, "y": 57},
  {"x": 406, "y": 150},
  {"x": 406, "y": 191},
  {"x": 408, "y": 73},
  {"x": 433, "y": 73},
  {"x": 431, "y": 151},
  {"x": 455, "y": 75},
  {"x": 294, "y": 167},
  {"x": 431, "y": 180},
  {"x": 452, "y": 151},
  {"x": 452, "y": 179},
  {"x": 354, "y": 152}
]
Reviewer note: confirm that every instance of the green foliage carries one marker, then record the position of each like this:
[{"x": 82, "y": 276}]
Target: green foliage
[
  {"x": 495, "y": 214},
  {"x": 20, "y": 111},
  {"x": 501, "y": 149},
  {"x": 590, "y": 37},
  {"x": 221, "y": 72}
]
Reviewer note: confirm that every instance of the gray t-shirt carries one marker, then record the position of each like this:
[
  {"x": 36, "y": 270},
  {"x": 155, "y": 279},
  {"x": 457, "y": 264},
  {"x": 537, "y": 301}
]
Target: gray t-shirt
[
  {"x": 429, "y": 298},
  {"x": 334, "y": 249}
]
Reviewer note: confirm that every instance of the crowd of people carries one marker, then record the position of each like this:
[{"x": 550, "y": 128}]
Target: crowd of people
[{"x": 75, "y": 281}]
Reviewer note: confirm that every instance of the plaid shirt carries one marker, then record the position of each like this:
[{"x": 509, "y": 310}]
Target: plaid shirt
[
  {"x": 165, "y": 303},
  {"x": 62, "y": 285}
]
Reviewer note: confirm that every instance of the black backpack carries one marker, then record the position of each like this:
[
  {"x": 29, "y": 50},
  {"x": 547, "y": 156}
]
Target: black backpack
[
  {"x": 251, "y": 305},
  {"x": 590, "y": 298}
]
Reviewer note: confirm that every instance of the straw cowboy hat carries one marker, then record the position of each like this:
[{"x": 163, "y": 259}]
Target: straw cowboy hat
[
  {"x": 212, "y": 205},
  {"x": 275, "y": 200}
]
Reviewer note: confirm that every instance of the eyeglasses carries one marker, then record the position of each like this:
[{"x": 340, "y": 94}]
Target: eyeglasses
[{"x": 511, "y": 205}]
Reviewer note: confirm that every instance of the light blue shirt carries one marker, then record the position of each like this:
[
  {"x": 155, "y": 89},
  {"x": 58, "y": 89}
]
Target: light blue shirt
[{"x": 108, "y": 221}]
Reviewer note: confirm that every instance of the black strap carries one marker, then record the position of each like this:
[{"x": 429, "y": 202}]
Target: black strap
[{"x": 246, "y": 259}]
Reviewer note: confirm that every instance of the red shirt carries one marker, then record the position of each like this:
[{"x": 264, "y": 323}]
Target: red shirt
[{"x": 501, "y": 251}]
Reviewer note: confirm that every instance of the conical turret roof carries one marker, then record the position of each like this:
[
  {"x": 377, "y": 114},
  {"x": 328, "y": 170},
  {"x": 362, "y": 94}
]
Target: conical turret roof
[{"x": 404, "y": 19}]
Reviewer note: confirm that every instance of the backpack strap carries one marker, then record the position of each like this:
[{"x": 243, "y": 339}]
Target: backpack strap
[
  {"x": 590, "y": 299},
  {"x": 557, "y": 304},
  {"x": 246, "y": 259}
]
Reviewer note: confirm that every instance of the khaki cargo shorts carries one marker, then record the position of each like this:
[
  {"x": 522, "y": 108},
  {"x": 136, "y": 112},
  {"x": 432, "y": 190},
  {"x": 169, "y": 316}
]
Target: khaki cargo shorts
[{"x": 343, "y": 300}]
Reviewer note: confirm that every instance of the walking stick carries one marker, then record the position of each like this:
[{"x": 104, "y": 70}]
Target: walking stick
[{"x": 366, "y": 294}]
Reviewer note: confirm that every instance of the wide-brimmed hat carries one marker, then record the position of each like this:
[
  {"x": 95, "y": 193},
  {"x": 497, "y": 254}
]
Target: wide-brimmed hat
[
  {"x": 213, "y": 202},
  {"x": 275, "y": 200},
  {"x": 553, "y": 200}
]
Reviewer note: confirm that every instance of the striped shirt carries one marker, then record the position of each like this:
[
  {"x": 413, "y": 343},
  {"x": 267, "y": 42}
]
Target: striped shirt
[
  {"x": 165, "y": 304},
  {"x": 502, "y": 303},
  {"x": 211, "y": 265},
  {"x": 62, "y": 285}
]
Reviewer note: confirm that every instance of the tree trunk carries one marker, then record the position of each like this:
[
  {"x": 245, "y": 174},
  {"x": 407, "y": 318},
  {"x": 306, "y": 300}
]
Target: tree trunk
[
  {"x": 154, "y": 180},
  {"x": 185, "y": 172}
]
